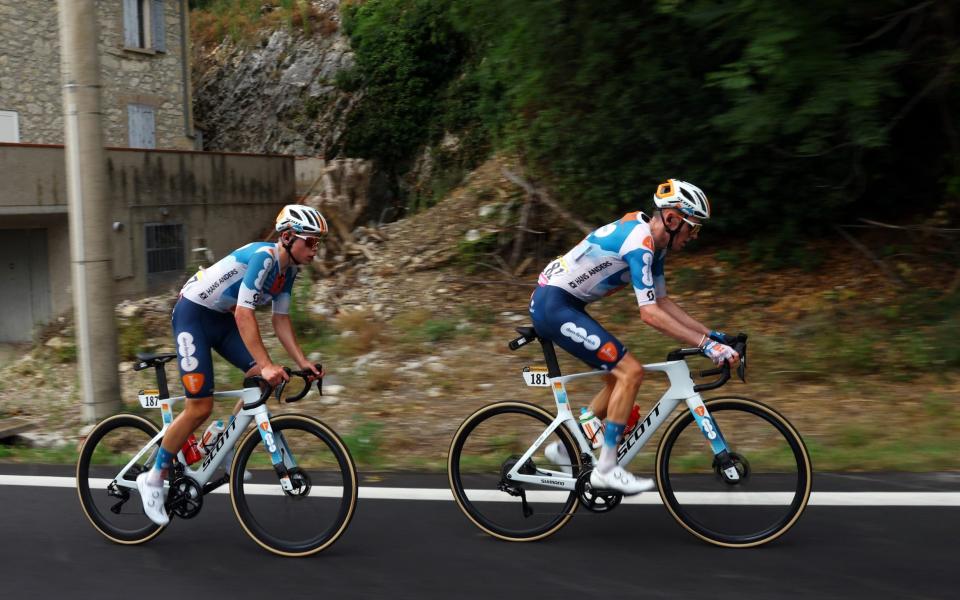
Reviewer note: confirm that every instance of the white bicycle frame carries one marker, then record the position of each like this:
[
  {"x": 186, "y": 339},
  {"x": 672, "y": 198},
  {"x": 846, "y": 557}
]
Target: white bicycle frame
[
  {"x": 681, "y": 390},
  {"x": 275, "y": 444}
]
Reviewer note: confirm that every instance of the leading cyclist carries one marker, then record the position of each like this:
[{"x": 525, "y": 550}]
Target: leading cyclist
[
  {"x": 629, "y": 251},
  {"x": 215, "y": 311}
]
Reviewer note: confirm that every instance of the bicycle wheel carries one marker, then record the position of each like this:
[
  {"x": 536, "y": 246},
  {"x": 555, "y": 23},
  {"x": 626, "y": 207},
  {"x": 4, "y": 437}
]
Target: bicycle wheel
[
  {"x": 486, "y": 446},
  {"x": 113, "y": 507},
  {"x": 318, "y": 510},
  {"x": 775, "y": 482}
]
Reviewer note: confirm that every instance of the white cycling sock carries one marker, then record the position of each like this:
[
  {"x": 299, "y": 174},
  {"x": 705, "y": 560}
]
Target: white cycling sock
[
  {"x": 608, "y": 458},
  {"x": 612, "y": 433}
]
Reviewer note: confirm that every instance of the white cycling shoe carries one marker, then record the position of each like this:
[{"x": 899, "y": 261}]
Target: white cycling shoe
[
  {"x": 621, "y": 481},
  {"x": 557, "y": 454},
  {"x": 152, "y": 497}
]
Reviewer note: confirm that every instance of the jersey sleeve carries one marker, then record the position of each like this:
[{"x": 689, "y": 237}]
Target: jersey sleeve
[
  {"x": 281, "y": 303},
  {"x": 251, "y": 289},
  {"x": 659, "y": 274},
  {"x": 641, "y": 275},
  {"x": 637, "y": 252}
]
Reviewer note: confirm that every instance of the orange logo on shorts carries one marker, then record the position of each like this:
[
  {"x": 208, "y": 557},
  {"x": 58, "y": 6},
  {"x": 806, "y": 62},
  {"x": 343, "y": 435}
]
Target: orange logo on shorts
[
  {"x": 700, "y": 410},
  {"x": 193, "y": 382},
  {"x": 608, "y": 352},
  {"x": 265, "y": 426}
]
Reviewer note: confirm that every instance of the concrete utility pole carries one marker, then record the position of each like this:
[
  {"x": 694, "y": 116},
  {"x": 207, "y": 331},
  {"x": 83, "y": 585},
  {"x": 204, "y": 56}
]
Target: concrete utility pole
[{"x": 90, "y": 251}]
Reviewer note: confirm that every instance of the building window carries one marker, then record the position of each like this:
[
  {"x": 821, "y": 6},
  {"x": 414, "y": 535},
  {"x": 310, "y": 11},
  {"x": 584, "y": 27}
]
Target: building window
[
  {"x": 143, "y": 25},
  {"x": 9, "y": 126},
  {"x": 165, "y": 248},
  {"x": 141, "y": 126}
]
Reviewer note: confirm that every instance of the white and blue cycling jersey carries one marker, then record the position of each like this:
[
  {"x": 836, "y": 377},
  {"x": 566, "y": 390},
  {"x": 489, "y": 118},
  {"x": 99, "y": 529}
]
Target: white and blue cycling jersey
[
  {"x": 249, "y": 276},
  {"x": 608, "y": 259}
]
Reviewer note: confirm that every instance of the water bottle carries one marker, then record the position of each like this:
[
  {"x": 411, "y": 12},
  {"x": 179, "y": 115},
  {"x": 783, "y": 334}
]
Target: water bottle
[
  {"x": 592, "y": 427},
  {"x": 191, "y": 453},
  {"x": 632, "y": 421},
  {"x": 209, "y": 438}
]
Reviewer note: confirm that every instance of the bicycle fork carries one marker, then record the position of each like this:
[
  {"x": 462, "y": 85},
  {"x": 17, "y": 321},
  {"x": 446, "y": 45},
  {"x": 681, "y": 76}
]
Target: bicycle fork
[
  {"x": 711, "y": 431},
  {"x": 276, "y": 446}
]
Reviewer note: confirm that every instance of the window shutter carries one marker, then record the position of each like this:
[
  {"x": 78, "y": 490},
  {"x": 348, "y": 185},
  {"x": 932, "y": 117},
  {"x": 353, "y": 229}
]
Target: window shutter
[
  {"x": 131, "y": 24},
  {"x": 159, "y": 27},
  {"x": 141, "y": 126},
  {"x": 9, "y": 126}
]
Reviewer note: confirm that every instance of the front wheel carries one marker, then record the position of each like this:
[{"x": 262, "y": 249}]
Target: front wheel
[
  {"x": 316, "y": 512},
  {"x": 110, "y": 500},
  {"x": 774, "y": 469},
  {"x": 487, "y": 446}
]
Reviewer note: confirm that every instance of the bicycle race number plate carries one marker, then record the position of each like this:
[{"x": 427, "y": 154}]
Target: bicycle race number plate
[
  {"x": 536, "y": 377},
  {"x": 149, "y": 398}
]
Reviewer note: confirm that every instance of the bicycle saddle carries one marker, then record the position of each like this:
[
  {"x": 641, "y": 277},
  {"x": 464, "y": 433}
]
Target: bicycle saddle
[
  {"x": 528, "y": 332},
  {"x": 145, "y": 360}
]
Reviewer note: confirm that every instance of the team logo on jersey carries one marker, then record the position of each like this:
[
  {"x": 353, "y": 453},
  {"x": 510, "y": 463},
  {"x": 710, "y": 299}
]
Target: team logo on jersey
[
  {"x": 193, "y": 382},
  {"x": 605, "y": 230},
  {"x": 278, "y": 284},
  {"x": 648, "y": 243},
  {"x": 608, "y": 353},
  {"x": 580, "y": 336}
]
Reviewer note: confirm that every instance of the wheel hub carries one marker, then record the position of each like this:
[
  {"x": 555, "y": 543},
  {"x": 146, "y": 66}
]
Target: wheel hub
[
  {"x": 735, "y": 461},
  {"x": 301, "y": 484}
]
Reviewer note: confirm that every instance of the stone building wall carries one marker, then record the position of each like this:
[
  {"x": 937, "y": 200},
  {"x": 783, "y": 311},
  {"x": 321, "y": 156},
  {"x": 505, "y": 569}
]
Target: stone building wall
[{"x": 30, "y": 73}]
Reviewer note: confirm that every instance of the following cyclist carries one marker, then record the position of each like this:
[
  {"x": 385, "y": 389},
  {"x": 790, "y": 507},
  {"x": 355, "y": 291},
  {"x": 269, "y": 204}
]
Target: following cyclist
[
  {"x": 629, "y": 251},
  {"x": 215, "y": 311}
]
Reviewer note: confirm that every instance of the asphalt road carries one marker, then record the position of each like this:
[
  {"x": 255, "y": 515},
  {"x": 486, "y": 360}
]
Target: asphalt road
[{"x": 427, "y": 549}]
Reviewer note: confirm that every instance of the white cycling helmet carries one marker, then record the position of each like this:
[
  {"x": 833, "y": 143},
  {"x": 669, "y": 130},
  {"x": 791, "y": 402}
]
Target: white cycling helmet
[
  {"x": 301, "y": 219},
  {"x": 683, "y": 196}
]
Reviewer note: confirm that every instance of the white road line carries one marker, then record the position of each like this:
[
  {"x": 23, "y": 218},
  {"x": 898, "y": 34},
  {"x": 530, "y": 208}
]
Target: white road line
[{"x": 710, "y": 498}]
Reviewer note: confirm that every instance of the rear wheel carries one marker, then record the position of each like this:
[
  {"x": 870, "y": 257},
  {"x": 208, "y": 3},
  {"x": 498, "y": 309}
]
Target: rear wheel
[
  {"x": 112, "y": 503},
  {"x": 487, "y": 446},
  {"x": 773, "y": 466}
]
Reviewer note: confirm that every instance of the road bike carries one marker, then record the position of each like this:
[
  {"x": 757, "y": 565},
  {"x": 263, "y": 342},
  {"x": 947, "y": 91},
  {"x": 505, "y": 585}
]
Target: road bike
[
  {"x": 730, "y": 470},
  {"x": 299, "y": 494}
]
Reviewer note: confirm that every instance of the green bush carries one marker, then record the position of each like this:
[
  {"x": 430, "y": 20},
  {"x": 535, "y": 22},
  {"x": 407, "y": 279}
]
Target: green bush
[{"x": 790, "y": 115}]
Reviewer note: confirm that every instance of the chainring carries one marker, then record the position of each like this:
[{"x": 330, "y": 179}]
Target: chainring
[
  {"x": 185, "y": 498},
  {"x": 595, "y": 501}
]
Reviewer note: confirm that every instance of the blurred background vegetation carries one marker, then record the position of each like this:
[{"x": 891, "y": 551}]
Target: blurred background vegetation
[{"x": 793, "y": 115}]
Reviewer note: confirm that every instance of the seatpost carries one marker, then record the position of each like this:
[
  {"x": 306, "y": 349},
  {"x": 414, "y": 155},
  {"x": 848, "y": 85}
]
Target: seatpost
[
  {"x": 550, "y": 355},
  {"x": 162, "y": 381}
]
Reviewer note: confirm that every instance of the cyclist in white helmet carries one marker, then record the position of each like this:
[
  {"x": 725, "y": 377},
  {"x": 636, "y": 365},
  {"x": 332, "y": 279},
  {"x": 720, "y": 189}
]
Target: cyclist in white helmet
[
  {"x": 215, "y": 311},
  {"x": 630, "y": 251}
]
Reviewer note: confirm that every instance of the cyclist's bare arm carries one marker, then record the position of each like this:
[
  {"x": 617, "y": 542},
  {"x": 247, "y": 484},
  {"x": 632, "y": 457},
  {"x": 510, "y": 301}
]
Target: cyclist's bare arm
[
  {"x": 284, "y": 329},
  {"x": 663, "y": 321},
  {"x": 667, "y": 304},
  {"x": 250, "y": 333}
]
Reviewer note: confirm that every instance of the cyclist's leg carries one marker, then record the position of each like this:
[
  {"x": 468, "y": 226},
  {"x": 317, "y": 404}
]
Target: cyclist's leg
[
  {"x": 191, "y": 331},
  {"x": 563, "y": 319},
  {"x": 600, "y": 402},
  {"x": 229, "y": 344}
]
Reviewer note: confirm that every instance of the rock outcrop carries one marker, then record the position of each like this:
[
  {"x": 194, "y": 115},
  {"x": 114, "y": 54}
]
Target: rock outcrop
[{"x": 279, "y": 97}]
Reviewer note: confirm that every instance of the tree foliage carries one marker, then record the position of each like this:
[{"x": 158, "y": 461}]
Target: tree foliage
[{"x": 788, "y": 114}]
